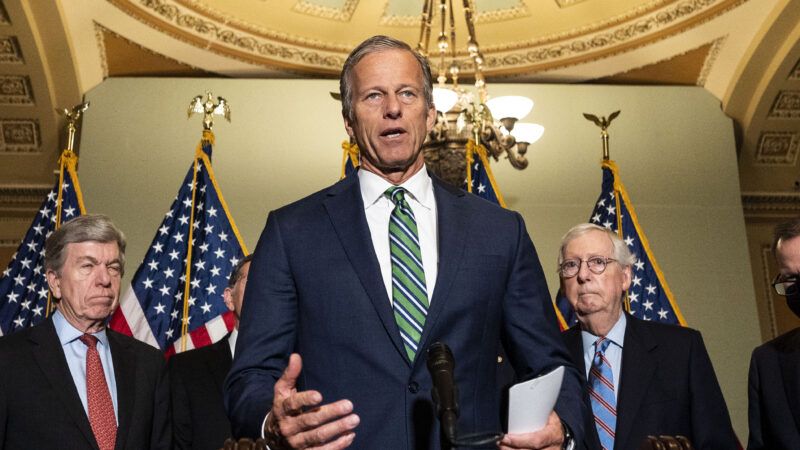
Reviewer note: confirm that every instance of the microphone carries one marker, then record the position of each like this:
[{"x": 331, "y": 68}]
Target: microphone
[
  {"x": 444, "y": 393},
  {"x": 440, "y": 364}
]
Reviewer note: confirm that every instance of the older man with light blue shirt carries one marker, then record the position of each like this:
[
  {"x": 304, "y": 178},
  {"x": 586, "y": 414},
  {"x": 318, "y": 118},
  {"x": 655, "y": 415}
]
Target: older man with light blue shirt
[
  {"x": 643, "y": 378},
  {"x": 69, "y": 382}
]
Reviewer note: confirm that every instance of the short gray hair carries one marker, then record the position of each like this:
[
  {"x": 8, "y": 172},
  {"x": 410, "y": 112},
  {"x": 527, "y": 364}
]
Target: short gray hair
[
  {"x": 88, "y": 227},
  {"x": 377, "y": 44},
  {"x": 621, "y": 252}
]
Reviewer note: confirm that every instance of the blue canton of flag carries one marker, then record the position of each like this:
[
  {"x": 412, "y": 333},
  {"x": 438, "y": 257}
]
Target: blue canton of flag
[
  {"x": 24, "y": 294},
  {"x": 157, "y": 309},
  {"x": 480, "y": 180},
  {"x": 648, "y": 297}
]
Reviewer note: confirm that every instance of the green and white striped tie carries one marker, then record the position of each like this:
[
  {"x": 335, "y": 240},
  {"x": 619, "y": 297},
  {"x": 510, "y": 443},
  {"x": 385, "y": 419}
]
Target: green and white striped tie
[{"x": 409, "y": 295}]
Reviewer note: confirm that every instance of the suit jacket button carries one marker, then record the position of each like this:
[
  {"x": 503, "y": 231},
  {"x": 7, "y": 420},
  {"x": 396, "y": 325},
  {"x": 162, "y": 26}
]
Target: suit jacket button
[{"x": 413, "y": 387}]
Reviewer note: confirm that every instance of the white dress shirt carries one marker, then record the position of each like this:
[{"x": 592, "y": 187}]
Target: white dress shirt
[
  {"x": 75, "y": 352},
  {"x": 613, "y": 352},
  {"x": 378, "y": 209},
  {"x": 232, "y": 341}
]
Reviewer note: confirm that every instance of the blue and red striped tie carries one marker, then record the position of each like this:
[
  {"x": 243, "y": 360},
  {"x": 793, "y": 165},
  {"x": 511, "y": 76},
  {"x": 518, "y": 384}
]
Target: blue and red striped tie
[{"x": 601, "y": 394}]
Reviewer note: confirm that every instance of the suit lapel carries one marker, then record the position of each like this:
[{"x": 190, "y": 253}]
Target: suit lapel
[
  {"x": 451, "y": 216},
  {"x": 346, "y": 210},
  {"x": 124, "y": 359},
  {"x": 789, "y": 362},
  {"x": 574, "y": 342},
  {"x": 638, "y": 368},
  {"x": 50, "y": 356}
]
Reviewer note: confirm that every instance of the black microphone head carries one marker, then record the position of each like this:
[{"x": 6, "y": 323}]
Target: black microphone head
[{"x": 440, "y": 357}]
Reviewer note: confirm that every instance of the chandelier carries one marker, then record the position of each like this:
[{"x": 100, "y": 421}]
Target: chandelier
[{"x": 486, "y": 125}]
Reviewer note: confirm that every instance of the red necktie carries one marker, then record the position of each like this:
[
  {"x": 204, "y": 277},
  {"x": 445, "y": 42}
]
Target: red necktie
[{"x": 101, "y": 408}]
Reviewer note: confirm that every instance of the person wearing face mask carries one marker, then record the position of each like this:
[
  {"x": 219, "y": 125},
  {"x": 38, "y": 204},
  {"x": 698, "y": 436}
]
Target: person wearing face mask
[
  {"x": 643, "y": 378},
  {"x": 774, "y": 379}
]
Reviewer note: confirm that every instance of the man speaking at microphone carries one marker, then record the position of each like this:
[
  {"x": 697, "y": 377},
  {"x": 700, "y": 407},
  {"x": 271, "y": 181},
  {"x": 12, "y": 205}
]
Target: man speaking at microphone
[{"x": 357, "y": 281}]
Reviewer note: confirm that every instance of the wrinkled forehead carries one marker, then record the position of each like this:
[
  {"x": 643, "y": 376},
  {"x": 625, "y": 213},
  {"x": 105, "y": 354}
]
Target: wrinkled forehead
[{"x": 104, "y": 252}]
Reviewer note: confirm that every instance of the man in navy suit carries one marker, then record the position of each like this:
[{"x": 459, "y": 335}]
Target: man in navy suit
[
  {"x": 644, "y": 378},
  {"x": 774, "y": 381},
  {"x": 362, "y": 277}
]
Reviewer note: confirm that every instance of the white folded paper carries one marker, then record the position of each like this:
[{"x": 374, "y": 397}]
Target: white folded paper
[{"x": 530, "y": 402}]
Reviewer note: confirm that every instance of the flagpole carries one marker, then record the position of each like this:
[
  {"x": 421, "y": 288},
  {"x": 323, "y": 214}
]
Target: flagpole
[
  {"x": 67, "y": 159},
  {"x": 209, "y": 109},
  {"x": 604, "y": 123}
]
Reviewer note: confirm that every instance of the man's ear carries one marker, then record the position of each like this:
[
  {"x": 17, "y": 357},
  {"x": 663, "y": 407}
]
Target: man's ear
[
  {"x": 431, "y": 119},
  {"x": 227, "y": 296},
  {"x": 348, "y": 126},
  {"x": 54, "y": 281}
]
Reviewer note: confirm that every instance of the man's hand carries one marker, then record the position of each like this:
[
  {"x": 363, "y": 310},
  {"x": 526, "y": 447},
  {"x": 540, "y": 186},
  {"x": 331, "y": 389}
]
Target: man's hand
[
  {"x": 550, "y": 437},
  {"x": 299, "y": 421}
]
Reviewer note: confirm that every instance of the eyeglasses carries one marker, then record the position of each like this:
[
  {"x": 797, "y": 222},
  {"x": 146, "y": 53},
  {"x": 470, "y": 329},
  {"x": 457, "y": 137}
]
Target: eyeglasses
[
  {"x": 787, "y": 285},
  {"x": 596, "y": 264}
]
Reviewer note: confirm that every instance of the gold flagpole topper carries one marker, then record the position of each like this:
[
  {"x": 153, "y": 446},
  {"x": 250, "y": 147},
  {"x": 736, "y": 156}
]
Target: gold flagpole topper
[{"x": 603, "y": 123}]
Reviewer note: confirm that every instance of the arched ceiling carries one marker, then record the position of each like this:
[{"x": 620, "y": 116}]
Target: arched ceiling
[{"x": 744, "y": 52}]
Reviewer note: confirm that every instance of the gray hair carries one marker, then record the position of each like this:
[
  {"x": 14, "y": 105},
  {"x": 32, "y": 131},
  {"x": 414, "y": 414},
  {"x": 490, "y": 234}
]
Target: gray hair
[
  {"x": 621, "y": 252},
  {"x": 377, "y": 44},
  {"x": 236, "y": 273},
  {"x": 784, "y": 232},
  {"x": 88, "y": 227}
]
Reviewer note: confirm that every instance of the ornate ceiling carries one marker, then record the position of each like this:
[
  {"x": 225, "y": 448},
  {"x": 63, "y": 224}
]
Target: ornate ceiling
[{"x": 744, "y": 52}]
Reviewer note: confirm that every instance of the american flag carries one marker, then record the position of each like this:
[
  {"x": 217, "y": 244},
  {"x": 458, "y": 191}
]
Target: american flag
[
  {"x": 157, "y": 308},
  {"x": 480, "y": 180},
  {"x": 24, "y": 295},
  {"x": 349, "y": 158},
  {"x": 648, "y": 297}
]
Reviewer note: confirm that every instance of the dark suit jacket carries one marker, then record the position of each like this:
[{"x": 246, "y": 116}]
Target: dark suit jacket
[
  {"x": 774, "y": 394},
  {"x": 315, "y": 288},
  {"x": 667, "y": 387},
  {"x": 40, "y": 407},
  {"x": 198, "y": 412}
]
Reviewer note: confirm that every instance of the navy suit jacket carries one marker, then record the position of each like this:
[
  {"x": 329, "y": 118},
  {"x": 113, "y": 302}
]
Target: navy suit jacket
[
  {"x": 667, "y": 387},
  {"x": 196, "y": 377},
  {"x": 40, "y": 406},
  {"x": 774, "y": 394},
  {"x": 315, "y": 288}
]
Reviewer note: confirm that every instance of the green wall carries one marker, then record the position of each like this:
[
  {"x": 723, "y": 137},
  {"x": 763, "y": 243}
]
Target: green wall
[{"x": 673, "y": 145}]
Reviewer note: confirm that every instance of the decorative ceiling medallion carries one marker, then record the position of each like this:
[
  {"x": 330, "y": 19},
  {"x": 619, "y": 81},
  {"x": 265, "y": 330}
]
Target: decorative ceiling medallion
[
  {"x": 391, "y": 19},
  {"x": 9, "y": 51},
  {"x": 19, "y": 136},
  {"x": 221, "y": 39},
  {"x": 777, "y": 148},
  {"x": 795, "y": 75},
  {"x": 186, "y": 11},
  {"x": 655, "y": 26},
  {"x": 326, "y": 12},
  {"x": 276, "y": 50},
  {"x": 786, "y": 106},
  {"x": 4, "y": 14},
  {"x": 15, "y": 90}
]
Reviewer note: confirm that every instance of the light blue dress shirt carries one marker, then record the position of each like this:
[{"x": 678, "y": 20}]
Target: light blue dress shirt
[
  {"x": 613, "y": 352},
  {"x": 75, "y": 351}
]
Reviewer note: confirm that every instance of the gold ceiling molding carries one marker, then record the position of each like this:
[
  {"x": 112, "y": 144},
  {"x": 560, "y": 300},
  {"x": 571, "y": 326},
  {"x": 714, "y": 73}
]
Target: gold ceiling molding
[
  {"x": 219, "y": 22},
  {"x": 99, "y": 38},
  {"x": 777, "y": 148},
  {"x": 656, "y": 26},
  {"x": 223, "y": 41},
  {"x": 342, "y": 14},
  {"x": 795, "y": 75},
  {"x": 711, "y": 58},
  {"x": 497, "y": 15},
  {"x": 10, "y": 52},
  {"x": 786, "y": 106},
  {"x": 20, "y": 201},
  {"x": 568, "y": 3},
  {"x": 16, "y": 90},
  {"x": 20, "y": 136},
  {"x": 771, "y": 205}
]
